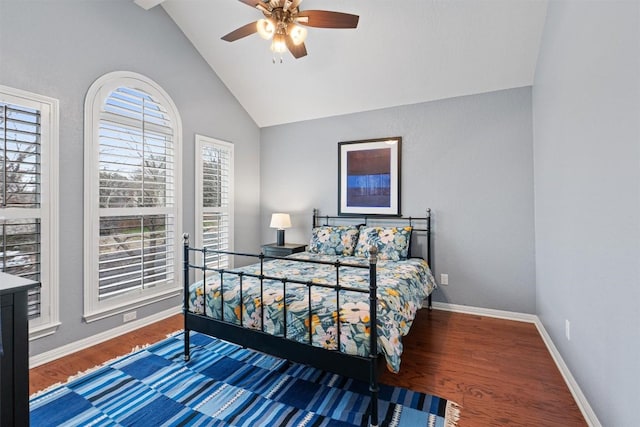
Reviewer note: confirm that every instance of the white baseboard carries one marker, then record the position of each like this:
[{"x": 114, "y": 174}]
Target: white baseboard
[
  {"x": 574, "y": 388},
  {"x": 75, "y": 346},
  {"x": 489, "y": 312}
]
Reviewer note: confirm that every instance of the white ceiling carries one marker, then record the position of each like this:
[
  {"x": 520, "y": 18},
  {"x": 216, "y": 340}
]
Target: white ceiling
[{"x": 403, "y": 52}]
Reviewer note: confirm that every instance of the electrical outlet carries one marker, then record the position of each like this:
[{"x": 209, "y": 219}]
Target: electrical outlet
[
  {"x": 128, "y": 317},
  {"x": 567, "y": 329},
  {"x": 444, "y": 279}
]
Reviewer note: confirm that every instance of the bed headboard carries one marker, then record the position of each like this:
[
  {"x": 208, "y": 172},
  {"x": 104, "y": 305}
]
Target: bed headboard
[{"x": 421, "y": 226}]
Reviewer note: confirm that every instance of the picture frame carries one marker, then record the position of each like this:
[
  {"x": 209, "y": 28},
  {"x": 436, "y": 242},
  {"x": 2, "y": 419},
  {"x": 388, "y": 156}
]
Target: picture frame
[{"x": 369, "y": 177}]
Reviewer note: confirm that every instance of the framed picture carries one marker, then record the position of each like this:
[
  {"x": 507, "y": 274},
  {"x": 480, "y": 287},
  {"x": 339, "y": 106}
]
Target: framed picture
[{"x": 369, "y": 177}]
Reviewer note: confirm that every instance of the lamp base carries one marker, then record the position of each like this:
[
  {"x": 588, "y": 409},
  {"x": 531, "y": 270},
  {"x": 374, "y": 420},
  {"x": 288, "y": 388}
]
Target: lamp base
[{"x": 280, "y": 238}]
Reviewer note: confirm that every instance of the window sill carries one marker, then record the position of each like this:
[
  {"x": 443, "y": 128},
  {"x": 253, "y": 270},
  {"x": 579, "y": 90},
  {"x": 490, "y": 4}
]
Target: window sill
[
  {"x": 43, "y": 330},
  {"x": 103, "y": 313}
]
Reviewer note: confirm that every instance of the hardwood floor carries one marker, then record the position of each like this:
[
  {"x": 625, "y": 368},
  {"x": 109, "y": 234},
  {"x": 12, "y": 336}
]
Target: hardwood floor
[{"x": 499, "y": 371}]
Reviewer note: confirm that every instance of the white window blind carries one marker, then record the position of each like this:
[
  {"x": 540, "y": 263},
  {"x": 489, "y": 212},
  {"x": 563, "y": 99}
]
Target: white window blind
[
  {"x": 132, "y": 207},
  {"x": 136, "y": 166},
  {"x": 215, "y": 199},
  {"x": 20, "y": 175}
]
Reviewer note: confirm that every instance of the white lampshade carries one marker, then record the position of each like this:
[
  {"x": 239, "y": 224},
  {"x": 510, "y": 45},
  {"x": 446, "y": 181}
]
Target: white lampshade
[
  {"x": 278, "y": 45},
  {"x": 266, "y": 28},
  {"x": 280, "y": 221},
  {"x": 298, "y": 34}
]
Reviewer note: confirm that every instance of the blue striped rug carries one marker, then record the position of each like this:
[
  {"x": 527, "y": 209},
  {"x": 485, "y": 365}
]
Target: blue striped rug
[{"x": 225, "y": 385}]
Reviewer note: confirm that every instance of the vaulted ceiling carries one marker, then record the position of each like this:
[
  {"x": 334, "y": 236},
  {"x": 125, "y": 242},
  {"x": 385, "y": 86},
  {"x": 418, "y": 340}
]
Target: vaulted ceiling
[{"x": 403, "y": 52}]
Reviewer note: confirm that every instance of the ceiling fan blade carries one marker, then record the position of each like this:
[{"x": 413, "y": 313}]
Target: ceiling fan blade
[
  {"x": 252, "y": 3},
  {"x": 259, "y": 4},
  {"x": 298, "y": 51},
  {"x": 290, "y": 4},
  {"x": 241, "y": 32},
  {"x": 327, "y": 19}
]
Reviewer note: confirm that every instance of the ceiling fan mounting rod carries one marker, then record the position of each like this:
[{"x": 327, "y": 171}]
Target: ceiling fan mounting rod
[{"x": 282, "y": 18}]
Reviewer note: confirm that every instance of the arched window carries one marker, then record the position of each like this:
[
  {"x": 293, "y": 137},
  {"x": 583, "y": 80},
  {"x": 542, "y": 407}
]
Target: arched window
[{"x": 132, "y": 195}]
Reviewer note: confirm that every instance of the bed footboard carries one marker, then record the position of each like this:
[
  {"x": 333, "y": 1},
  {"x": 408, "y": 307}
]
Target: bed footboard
[{"x": 354, "y": 366}]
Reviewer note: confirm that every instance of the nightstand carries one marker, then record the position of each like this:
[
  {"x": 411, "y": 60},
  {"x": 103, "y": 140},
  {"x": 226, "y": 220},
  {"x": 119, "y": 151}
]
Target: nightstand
[{"x": 272, "y": 249}]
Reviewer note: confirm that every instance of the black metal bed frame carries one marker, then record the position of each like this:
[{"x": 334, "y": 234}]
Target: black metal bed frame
[{"x": 353, "y": 366}]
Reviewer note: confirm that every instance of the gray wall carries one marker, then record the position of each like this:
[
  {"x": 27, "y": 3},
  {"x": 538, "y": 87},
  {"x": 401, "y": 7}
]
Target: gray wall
[
  {"x": 468, "y": 158},
  {"x": 586, "y": 104},
  {"x": 57, "y": 49}
]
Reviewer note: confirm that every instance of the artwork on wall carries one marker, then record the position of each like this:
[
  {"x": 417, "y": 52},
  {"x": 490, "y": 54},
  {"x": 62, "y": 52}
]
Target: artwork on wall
[{"x": 369, "y": 177}]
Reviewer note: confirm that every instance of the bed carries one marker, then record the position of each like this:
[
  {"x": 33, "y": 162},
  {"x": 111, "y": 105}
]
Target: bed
[{"x": 317, "y": 307}]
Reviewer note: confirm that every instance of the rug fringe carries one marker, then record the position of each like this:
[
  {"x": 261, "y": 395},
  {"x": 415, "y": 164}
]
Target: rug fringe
[
  {"x": 86, "y": 371},
  {"x": 45, "y": 390},
  {"x": 452, "y": 414},
  {"x": 174, "y": 333}
]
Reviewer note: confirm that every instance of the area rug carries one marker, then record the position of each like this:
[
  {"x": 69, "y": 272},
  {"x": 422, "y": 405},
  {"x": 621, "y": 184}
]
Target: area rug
[{"x": 226, "y": 385}]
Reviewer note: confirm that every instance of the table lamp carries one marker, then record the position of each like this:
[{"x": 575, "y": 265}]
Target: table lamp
[{"x": 280, "y": 221}]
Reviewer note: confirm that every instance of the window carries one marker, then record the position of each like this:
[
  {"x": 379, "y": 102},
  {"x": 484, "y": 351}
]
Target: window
[
  {"x": 214, "y": 199},
  {"x": 132, "y": 198},
  {"x": 28, "y": 200}
]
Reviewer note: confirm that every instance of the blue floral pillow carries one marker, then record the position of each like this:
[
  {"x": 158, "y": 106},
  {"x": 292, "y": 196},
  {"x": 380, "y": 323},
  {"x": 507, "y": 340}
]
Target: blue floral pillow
[
  {"x": 334, "y": 240},
  {"x": 392, "y": 242}
]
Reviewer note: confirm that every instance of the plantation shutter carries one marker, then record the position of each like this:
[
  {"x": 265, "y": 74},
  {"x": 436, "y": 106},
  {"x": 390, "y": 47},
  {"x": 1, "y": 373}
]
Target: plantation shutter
[
  {"x": 136, "y": 191},
  {"x": 217, "y": 201},
  {"x": 20, "y": 193}
]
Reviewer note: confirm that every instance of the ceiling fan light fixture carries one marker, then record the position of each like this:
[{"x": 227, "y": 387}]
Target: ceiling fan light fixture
[
  {"x": 285, "y": 25},
  {"x": 278, "y": 45},
  {"x": 298, "y": 34},
  {"x": 266, "y": 28}
]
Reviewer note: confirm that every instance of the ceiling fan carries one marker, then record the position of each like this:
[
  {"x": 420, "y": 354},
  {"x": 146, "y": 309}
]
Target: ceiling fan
[{"x": 283, "y": 24}]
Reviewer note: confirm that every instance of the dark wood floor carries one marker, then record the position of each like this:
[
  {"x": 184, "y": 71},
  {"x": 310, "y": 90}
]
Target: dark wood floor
[{"x": 499, "y": 370}]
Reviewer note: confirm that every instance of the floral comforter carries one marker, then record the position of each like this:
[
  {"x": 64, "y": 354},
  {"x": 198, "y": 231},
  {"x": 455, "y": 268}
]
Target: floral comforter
[{"x": 402, "y": 287}]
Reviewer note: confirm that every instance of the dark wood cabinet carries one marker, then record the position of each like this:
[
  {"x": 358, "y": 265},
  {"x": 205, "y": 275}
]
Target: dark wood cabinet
[
  {"x": 272, "y": 249},
  {"x": 14, "y": 362}
]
